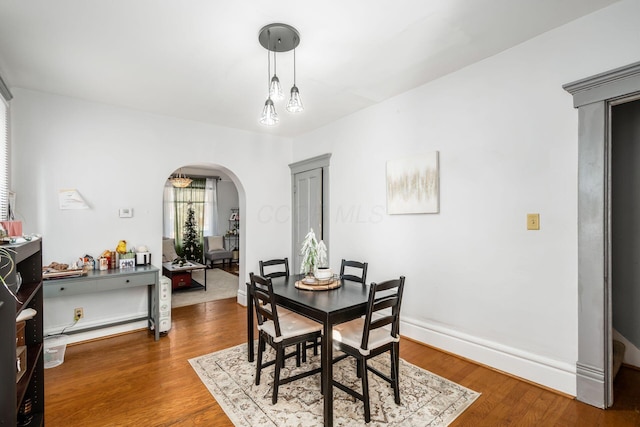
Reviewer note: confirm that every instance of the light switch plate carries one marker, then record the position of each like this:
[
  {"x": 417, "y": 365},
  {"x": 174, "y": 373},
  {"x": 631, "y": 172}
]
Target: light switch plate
[
  {"x": 126, "y": 212},
  {"x": 533, "y": 221}
]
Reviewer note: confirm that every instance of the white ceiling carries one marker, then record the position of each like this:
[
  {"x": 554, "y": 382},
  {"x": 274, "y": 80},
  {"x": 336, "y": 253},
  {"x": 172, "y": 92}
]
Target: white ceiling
[{"x": 201, "y": 60}]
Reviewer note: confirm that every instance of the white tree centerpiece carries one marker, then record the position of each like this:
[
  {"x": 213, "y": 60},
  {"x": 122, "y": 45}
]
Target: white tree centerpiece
[
  {"x": 309, "y": 253},
  {"x": 314, "y": 256},
  {"x": 322, "y": 271}
]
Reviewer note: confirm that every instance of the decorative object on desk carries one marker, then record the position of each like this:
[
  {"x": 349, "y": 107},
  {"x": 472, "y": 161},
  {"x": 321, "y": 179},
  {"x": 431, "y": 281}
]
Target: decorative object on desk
[
  {"x": 13, "y": 228},
  {"x": 127, "y": 263},
  {"x": 127, "y": 259},
  {"x": 103, "y": 263},
  {"x": 413, "y": 184},
  {"x": 309, "y": 253},
  {"x": 191, "y": 247},
  {"x": 121, "y": 248},
  {"x": 56, "y": 270},
  {"x": 143, "y": 256},
  {"x": 430, "y": 400}
]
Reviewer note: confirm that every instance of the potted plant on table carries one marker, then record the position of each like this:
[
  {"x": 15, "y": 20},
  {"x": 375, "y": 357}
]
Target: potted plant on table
[
  {"x": 314, "y": 257},
  {"x": 309, "y": 253}
]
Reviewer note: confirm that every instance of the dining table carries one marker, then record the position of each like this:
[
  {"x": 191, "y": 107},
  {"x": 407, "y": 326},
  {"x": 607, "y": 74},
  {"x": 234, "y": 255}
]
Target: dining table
[{"x": 329, "y": 307}]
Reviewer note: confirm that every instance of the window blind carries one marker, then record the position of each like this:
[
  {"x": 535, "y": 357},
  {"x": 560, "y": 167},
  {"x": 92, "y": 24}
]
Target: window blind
[{"x": 4, "y": 160}]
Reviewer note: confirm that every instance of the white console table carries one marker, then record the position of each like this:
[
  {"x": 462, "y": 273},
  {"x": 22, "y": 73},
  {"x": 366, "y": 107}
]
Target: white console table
[{"x": 108, "y": 280}]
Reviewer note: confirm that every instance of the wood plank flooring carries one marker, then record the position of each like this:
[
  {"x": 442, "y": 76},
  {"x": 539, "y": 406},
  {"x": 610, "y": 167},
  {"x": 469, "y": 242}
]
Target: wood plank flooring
[{"x": 131, "y": 380}]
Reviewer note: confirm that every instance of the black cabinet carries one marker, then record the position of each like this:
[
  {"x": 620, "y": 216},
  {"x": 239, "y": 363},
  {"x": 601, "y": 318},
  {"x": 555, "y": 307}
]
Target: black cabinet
[{"x": 21, "y": 261}]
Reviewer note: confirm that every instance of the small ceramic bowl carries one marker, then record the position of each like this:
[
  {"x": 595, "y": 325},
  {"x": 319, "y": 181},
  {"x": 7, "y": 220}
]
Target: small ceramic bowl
[{"x": 323, "y": 273}]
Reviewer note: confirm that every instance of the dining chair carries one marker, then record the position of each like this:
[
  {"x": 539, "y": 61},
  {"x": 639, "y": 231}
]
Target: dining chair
[
  {"x": 279, "y": 332},
  {"x": 362, "y": 278},
  {"x": 376, "y": 333},
  {"x": 273, "y": 263},
  {"x": 280, "y": 268}
]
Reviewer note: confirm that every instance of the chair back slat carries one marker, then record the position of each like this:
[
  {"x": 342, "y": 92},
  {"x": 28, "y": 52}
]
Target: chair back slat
[
  {"x": 383, "y": 296},
  {"x": 282, "y": 271},
  {"x": 362, "y": 278},
  {"x": 264, "y": 301}
]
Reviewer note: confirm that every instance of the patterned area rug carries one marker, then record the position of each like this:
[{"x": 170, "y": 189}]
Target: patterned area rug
[
  {"x": 220, "y": 285},
  {"x": 427, "y": 399}
]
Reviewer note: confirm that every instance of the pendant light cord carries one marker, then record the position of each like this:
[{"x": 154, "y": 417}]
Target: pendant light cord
[
  {"x": 294, "y": 65},
  {"x": 268, "y": 65}
]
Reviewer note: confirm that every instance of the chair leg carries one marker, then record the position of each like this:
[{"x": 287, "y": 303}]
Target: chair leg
[
  {"x": 395, "y": 372},
  {"x": 362, "y": 364},
  {"x": 259, "y": 360},
  {"x": 299, "y": 348},
  {"x": 276, "y": 374}
]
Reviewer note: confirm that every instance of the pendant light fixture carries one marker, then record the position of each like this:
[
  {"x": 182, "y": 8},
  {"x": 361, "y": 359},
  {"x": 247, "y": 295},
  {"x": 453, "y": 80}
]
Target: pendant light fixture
[
  {"x": 269, "y": 117},
  {"x": 179, "y": 180},
  {"x": 295, "y": 103},
  {"x": 278, "y": 38},
  {"x": 275, "y": 90}
]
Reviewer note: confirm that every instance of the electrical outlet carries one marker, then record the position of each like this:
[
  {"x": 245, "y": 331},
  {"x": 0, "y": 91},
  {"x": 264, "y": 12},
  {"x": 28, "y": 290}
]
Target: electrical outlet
[{"x": 78, "y": 313}]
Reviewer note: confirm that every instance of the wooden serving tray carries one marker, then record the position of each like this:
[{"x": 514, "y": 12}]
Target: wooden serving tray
[{"x": 318, "y": 284}]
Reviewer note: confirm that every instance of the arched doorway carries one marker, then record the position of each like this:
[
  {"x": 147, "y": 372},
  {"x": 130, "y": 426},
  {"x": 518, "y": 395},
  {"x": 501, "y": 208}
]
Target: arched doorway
[{"x": 219, "y": 194}]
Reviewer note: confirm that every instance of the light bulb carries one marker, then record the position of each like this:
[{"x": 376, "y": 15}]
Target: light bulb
[
  {"x": 275, "y": 90},
  {"x": 295, "y": 103},
  {"x": 269, "y": 117}
]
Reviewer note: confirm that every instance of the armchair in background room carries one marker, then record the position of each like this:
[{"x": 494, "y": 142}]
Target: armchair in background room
[
  {"x": 214, "y": 251},
  {"x": 168, "y": 249}
]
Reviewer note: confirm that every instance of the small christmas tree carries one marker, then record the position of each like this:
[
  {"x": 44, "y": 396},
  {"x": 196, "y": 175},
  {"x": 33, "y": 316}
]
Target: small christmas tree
[
  {"x": 309, "y": 253},
  {"x": 323, "y": 261},
  {"x": 190, "y": 240}
]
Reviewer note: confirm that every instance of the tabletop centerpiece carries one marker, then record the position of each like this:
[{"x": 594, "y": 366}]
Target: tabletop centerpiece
[{"x": 315, "y": 265}]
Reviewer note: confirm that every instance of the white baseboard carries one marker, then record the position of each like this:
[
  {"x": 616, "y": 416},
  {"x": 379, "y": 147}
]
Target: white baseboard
[
  {"x": 554, "y": 374},
  {"x": 103, "y": 330}
]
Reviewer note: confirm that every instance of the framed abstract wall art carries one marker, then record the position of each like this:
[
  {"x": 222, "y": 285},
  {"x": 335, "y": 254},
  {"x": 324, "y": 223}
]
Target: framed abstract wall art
[{"x": 413, "y": 184}]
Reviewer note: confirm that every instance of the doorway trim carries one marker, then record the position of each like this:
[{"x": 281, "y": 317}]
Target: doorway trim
[{"x": 593, "y": 97}]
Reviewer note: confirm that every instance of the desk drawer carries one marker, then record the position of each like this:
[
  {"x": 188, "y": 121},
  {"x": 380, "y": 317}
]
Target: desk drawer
[{"x": 84, "y": 285}]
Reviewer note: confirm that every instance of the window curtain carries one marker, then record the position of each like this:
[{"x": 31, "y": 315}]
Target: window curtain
[
  {"x": 202, "y": 194},
  {"x": 211, "y": 208}
]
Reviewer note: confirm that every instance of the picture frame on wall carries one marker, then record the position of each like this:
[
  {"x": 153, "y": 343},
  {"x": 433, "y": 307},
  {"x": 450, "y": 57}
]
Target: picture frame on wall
[
  {"x": 413, "y": 184},
  {"x": 234, "y": 216}
]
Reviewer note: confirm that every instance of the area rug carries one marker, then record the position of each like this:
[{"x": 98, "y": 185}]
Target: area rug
[
  {"x": 426, "y": 399},
  {"x": 220, "y": 285}
]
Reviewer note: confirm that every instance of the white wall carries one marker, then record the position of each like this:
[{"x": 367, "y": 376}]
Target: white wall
[
  {"x": 121, "y": 158},
  {"x": 478, "y": 283}
]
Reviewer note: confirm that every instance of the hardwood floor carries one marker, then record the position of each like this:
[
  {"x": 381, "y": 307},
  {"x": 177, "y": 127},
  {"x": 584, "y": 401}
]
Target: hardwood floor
[{"x": 131, "y": 380}]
